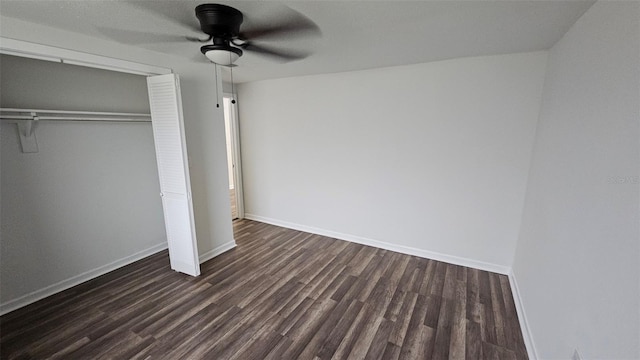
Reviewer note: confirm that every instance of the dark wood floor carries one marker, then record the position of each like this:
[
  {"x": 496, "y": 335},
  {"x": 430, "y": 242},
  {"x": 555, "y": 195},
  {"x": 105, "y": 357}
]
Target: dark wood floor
[{"x": 281, "y": 294}]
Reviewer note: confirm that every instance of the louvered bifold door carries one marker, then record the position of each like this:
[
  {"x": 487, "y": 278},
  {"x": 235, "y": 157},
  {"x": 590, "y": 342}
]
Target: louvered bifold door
[{"x": 173, "y": 170}]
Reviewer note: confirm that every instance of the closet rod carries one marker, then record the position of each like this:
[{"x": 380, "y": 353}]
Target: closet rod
[
  {"x": 64, "y": 115},
  {"x": 16, "y": 117},
  {"x": 73, "y": 112},
  {"x": 63, "y": 118}
]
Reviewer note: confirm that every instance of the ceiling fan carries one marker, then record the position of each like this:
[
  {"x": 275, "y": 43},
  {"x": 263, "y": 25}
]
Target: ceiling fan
[
  {"x": 222, "y": 24},
  {"x": 226, "y": 40}
]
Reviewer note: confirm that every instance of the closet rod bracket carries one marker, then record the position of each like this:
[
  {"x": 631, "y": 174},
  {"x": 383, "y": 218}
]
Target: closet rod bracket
[
  {"x": 28, "y": 140},
  {"x": 26, "y": 129}
]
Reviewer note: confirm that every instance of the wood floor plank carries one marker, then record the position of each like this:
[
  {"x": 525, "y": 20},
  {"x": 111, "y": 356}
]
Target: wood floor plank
[
  {"x": 380, "y": 297},
  {"x": 458, "y": 341},
  {"x": 64, "y": 352},
  {"x": 362, "y": 259},
  {"x": 379, "y": 342},
  {"x": 416, "y": 347},
  {"x": 287, "y": 322},
  {"x": 279, "y": 349},
  {"x": 258, "y": 347},
  {"x": 489, "y": 327},
  {"x": 313, "y": 345},
  {"x": 411, "y": 279},
  {"x": 280, "y": 294},
  {"x": 428, "y": 277},
  {"x": 402, "y": 320},
  {"x": 473, "y": 345},
  {"x": 191, "y": 333},
  {"x": 64, "y": 340},
  {"x": 498, "y": 310},
  {"x": 365, "y": 336},
  {"x": 473, "y": 295},
  {"x": 443, "y": 330},
  {"x": 334, "y": 339},
  {"x": 433, "y": 311},
  {"x": 374, "y": 276},
  {"x": 349, "y": 339},
  {"x": 308, "y": 325},
  {"x": 417, "y": 337},
  {"x": 438, "y": 279},
  {"x": 395, "y": 304},
  {"x": 449, "y": 287},
  {"x": 391, "y": 352}
]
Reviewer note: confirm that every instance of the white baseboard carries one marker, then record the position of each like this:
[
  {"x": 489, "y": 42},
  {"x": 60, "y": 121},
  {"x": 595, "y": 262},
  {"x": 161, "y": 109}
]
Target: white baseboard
[
  {"x": 217, "y": 251},
  {"x": 500, "y": 269},
  {"x": 522, "y": 318},
  {"x": 76, "y": 280}
]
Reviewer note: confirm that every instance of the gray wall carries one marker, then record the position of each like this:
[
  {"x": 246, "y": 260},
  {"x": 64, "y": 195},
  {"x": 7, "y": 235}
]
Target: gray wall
[
  {"x": 37, "y": 84},
  {"x": 89, "y": 197},
  {"x": 577, "y": 260}
]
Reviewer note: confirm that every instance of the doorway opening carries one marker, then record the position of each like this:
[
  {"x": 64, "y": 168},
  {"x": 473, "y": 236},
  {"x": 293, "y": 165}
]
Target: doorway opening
[{"x": 236, "y": 197}]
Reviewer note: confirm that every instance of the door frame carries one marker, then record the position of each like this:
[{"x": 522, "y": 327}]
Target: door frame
[
  {"x": 235, "y": 154},
  {"x": 72, "y": 57}
]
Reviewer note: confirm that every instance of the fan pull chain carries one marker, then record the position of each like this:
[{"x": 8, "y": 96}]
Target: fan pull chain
[
  {"x": 233, "y": 93},
  {"x": 215, "y": 68}
]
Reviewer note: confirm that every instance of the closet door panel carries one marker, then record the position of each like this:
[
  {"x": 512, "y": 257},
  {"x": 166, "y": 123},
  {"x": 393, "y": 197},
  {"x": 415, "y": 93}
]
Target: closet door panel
[
  {"x": 173, "y": 171},
  {"x": 176, "y": 208}
]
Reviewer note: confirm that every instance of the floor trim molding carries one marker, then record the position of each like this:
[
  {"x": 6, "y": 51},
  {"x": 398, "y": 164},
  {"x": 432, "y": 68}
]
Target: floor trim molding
[
  {"x": 522, "y": 318},
  {"x": 40, "y": 294},
  {"x": 500, "y": 269},
  {"x": 217, "y": 251}
]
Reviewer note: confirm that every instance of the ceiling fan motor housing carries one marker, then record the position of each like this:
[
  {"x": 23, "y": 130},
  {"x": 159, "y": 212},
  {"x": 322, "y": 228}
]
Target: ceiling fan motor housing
[{"x": 219, "y": 21}]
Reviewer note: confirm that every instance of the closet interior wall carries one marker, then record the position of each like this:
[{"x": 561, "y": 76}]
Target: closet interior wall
[{"x": 88, "y": 200}]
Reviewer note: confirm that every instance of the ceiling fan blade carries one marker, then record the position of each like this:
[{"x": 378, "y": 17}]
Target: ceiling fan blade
[
  {"x": 280, "y": 55},
  {"x": 197, "y": 39},
  {"x": 135, "y": 37},
  {"x": 288, "y": 24}
]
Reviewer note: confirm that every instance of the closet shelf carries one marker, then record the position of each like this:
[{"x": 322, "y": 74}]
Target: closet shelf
[
  {"x": 27, "y": 120},
  {"x": 63, "y": 115}
]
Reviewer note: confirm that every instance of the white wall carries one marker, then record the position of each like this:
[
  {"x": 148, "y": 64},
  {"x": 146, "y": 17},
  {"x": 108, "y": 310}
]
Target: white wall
[
  {"x": 430, "y": 157},
  {"x": 204, "y": 123},
  {"x": 577, "y": 260}
]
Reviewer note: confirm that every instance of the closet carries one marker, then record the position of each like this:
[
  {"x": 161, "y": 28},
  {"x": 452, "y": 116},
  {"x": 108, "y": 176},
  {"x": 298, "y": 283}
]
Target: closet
[{"x": 81, "y": 175}]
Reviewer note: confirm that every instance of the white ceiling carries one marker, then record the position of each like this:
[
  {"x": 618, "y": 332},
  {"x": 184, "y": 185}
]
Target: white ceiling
[{"x": 355, "y": 35}]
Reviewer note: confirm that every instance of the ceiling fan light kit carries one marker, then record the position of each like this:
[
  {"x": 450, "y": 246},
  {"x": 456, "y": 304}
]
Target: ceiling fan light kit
[{"x": 224, "y": 55}]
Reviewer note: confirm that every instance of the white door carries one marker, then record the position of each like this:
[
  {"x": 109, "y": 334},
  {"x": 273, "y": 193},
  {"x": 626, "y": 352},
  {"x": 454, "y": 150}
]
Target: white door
[{"x": 173, "y": 171}]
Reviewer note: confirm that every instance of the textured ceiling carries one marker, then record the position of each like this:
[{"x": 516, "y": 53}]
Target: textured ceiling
[{"x": 354, "y": 35}]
